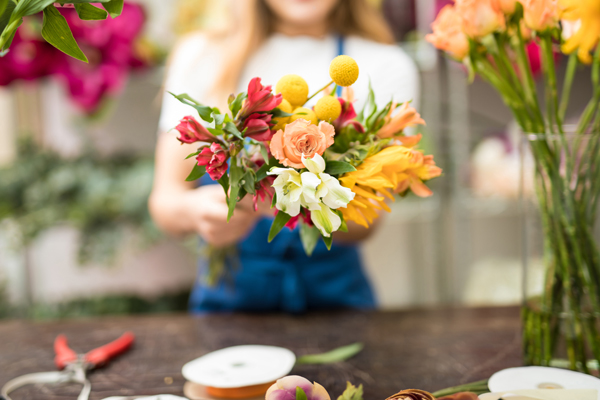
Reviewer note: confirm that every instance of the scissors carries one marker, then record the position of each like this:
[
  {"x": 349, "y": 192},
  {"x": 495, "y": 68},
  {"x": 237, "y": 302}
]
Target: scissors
[{"x": 72, "y": 366}]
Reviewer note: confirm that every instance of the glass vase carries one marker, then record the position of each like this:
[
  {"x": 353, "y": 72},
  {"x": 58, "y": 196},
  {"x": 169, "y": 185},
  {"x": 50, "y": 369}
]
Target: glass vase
[{"x": 560, "y": 188}]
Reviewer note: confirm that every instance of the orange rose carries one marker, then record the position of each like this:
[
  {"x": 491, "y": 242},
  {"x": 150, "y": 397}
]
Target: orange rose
[
  {"x": 540, "y": 14},
  {"x": 480, "y": 17},
  {"x": 447, "y": 34},
  {"x": 301, "y": 138}
]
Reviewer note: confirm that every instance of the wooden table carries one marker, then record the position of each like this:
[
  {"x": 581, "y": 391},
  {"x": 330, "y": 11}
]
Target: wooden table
[{"x": 425, "y": 349}]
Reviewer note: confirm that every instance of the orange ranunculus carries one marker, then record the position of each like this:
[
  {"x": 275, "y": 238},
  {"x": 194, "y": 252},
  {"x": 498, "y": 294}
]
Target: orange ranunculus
[
  {"x": 301, "y": 138},
  {"x": 406, "y": 116},
  {"x": 480, "y": 17},
  {"x": 540, "y": 15},
  {"x": 447, "y": 34},
  {"x": 507, "y": 6}
]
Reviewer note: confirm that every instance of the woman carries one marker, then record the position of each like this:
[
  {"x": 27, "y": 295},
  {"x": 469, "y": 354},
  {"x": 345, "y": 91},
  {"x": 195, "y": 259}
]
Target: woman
[{"x": 269, "y": 39}]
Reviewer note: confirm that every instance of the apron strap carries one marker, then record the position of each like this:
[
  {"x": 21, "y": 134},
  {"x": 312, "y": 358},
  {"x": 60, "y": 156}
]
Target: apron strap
[{"x": 340, "y": 51}]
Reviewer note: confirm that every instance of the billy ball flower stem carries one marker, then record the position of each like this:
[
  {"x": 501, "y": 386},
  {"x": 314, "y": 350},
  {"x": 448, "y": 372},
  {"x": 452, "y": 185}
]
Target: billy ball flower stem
[{"x": 318, "y": 91}]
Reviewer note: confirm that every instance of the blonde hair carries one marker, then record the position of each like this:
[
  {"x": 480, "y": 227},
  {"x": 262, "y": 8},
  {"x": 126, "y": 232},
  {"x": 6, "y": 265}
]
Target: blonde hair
[{"x": 255, "y": 23}]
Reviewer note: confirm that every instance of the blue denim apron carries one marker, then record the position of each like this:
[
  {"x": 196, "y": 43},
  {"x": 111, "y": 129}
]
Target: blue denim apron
[{"x": 279, "y": 276}]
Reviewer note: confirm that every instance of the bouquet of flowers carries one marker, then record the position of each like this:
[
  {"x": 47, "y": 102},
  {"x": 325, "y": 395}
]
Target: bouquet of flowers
[
  {"x": 319, "y": 167},
  {"x": 490, "y": 38}
]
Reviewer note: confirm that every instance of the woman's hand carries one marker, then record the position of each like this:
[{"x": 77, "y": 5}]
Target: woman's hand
[{"x": 209, "y": 216}]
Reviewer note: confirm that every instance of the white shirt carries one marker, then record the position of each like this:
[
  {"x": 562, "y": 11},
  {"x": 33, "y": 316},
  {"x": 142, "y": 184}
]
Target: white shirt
[{"x": 392, "y": 73}]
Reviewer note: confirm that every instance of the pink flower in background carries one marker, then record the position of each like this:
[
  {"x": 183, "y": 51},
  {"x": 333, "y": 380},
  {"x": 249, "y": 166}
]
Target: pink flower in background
[
  {"x": 29, "y": 58},
  {"x": 191, "y": 131},
  {"x": 215, "y": 160},
  {"x": 260, "y": 99},
  {"x": 285, "y": 389},
  {"x": 109, "y": 46},
  {"x": 258, "y": 127}
]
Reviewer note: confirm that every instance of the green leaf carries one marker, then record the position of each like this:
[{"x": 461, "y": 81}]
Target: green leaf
[
  {"x": 236, "y": 105},
  {"x": 224, "y": 181},
  {"x": 338, "y": 167},
  {"x": 261, "y": 173},
  {"x": 300, "y": 394},
  {"x": 277, "y": 113},
  {"x": 274, "y": 200},
  {"x": 114, "y": 7},
  {"x": 30, "y": 7},
  {"x": 336, "y": 355},
  {"x": 278, "y": 223},
  {"x": 369, "y": 108},
  {"x": 309, "y": 235},
  {"x": 249, "y": 182},
  {"x": 56, "y": 31},
  {"x": 3, "y": 4},
  {"x": 204, "y": 111},
  {"x": 193, "y": 154},
  {"x": 352, "y": 392},
  {"x": 5, "y": 14},
  {"x": 328, "y": 241},
  {"x": 88, "y": 12},
  {"x": 232, "y": 129},
  {"x": 219, "y": 118},
  {"x": 197, "y": 173},
  {"x": 235, "y": 176}
]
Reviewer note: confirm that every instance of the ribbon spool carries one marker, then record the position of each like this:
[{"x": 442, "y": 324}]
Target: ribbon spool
[{"x": 239, "y": 372}]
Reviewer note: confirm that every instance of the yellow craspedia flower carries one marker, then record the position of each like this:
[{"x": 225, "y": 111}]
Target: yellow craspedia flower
[
  {"x": 285, "y": 106},
  {"x": 304, "y": 113},
  {"x": 588, "y": 34},
  {"x": 343, "y": 70},
  {"x": 328, "y": 108},
  {"x": 293, "y": 88}
]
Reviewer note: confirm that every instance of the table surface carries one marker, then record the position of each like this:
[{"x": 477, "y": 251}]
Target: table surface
[{"x": 427, "y": 349}]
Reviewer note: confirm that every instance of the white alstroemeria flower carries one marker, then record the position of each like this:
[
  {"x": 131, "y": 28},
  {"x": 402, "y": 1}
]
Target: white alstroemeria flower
[
  {"x": 294, "y": 190},
  {"x": 325, "y": 220},
  {"x": 329, "y": 190}
]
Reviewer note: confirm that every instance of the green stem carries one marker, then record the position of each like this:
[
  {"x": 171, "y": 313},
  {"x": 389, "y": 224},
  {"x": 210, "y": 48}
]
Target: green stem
[
  {"x": 567, "y": 85},
  {"x": 318, "y": 91}
]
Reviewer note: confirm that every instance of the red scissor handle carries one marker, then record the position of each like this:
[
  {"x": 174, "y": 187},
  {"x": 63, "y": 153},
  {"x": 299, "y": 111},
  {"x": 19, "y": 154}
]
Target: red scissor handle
[
  {"x": 101, "y": 355},
  {"x": 64, "y": 354}
]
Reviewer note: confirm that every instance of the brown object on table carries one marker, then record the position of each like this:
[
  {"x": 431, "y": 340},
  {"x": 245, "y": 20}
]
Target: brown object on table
[
  {"x": 461, "y": 396},
  {"x": 245, "y": 392},
  {"x": 429, "y": 349},
  {"x": 412, "y": 394}
]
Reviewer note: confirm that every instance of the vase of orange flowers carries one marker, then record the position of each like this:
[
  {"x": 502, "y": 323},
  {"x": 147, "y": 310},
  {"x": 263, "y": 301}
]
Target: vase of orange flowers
[{"x": 490, "y": 37}]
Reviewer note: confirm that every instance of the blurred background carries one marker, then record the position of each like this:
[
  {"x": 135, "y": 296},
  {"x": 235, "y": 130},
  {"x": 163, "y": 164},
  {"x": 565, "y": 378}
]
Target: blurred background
[{"x": 76, "y": 166}]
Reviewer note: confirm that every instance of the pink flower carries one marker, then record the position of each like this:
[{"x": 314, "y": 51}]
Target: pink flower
[
  {"x": 407, "y": 116},
  {"x": 347, "y": 117},
  {"x": 215, "y": 160},
  {"x": 285, "y": 389},
  {"x": 258, "y": 127},
  {"x": 480, "y": 17},
  {"x": 540, "y": 15},
  {"x": 191, "y": 131},
  {"x": 260, "y": 99},
  {"x": 448, "y": 35}
]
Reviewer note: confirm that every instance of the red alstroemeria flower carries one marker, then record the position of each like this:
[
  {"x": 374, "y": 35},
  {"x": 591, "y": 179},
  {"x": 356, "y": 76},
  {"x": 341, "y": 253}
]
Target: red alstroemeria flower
[
  {"x": 191, "y": 131},
  {"x": 258, "y": 127},
  {"x": 260, "y": 99},
  {"x": 215, "y": 160},
  {"x": 265, "y": 192},
  {"x": 347, "y": 117},
  {"x": 293, "y": 222}
]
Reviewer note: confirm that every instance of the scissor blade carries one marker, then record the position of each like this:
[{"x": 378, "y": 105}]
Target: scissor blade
[{"x": 38, "y": 377}]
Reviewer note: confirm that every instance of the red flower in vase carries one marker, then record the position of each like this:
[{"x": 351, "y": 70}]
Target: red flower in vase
[
  {"x": 258, "y": 127},
  {"x": 260, "y": 99},
  {"x": 215, "y": 160}
]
